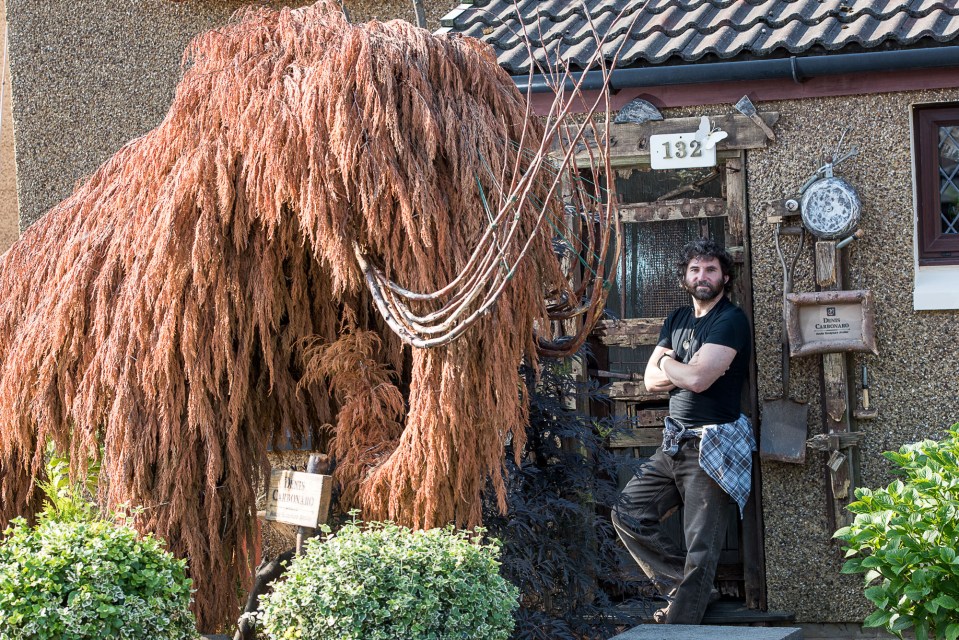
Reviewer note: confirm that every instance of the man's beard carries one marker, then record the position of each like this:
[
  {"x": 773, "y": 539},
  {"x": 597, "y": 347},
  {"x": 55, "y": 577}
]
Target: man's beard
[{"x": 704, "y": 291}]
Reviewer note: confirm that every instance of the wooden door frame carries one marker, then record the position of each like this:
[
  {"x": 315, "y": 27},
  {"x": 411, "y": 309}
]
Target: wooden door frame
[
  {"x": 630, "y": 147},
  {"x": 753, "y": 546}
]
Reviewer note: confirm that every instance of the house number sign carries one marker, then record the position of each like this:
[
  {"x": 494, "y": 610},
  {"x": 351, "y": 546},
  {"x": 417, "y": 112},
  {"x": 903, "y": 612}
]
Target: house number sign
[
  {"x": 679, "y": 151},
  {"x": 686, "y": 150}
]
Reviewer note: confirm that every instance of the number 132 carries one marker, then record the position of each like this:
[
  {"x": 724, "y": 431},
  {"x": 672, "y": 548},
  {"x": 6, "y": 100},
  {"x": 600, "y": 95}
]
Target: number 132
[{"x": 679, "y": 149}]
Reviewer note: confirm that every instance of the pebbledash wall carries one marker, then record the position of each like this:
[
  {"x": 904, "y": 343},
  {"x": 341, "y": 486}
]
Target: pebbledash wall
[
  {"x": 913, "y": 380},
  {"x": 9, "y": 222},
  {"x": 89, "y": 76}
]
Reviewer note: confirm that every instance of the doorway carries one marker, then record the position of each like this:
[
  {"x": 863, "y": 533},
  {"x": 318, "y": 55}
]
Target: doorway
[{"x": 660, "y": 211}]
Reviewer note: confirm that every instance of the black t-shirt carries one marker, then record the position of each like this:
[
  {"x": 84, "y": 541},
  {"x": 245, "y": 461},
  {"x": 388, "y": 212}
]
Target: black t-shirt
[{"x": 725, "y": 325}]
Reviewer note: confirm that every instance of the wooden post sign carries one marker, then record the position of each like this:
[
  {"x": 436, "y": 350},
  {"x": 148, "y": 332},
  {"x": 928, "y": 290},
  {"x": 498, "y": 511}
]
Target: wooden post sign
[
  {"x": 830, "y": 322},
  {"x": 298, "y": 498}
]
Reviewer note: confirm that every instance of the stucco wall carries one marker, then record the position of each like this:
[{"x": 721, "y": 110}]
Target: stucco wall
[
  {"x": 89, "y": 76},
  {"x": 9, "y": 227},
  {"x": 913, "y": 380}
]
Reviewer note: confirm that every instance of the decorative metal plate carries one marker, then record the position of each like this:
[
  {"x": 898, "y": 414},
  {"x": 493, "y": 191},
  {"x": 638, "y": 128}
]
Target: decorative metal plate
[{"x": 831, "y": 208}]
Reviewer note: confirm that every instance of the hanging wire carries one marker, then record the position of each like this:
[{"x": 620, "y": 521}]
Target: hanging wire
[{"x": 548, "y": 166}]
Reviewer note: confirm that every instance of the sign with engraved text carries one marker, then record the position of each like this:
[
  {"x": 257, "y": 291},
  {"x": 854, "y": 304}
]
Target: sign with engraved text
[
  {"x": 298, "y": 498},
  {"x": 830, "y": 322}
]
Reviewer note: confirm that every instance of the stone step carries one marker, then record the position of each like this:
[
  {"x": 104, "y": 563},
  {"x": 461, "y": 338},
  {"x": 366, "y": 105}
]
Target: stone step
[
  {"x": 721, "y": 612},
  {"x": 708, "y": 632}
]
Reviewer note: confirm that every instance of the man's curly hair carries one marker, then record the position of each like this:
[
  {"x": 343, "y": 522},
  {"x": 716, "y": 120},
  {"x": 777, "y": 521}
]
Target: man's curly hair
[{"x": 705, "y": 248}]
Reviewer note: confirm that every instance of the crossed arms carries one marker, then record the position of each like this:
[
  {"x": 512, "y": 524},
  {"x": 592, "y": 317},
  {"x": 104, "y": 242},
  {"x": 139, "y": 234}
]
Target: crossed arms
[{"x": 705, "y": 367}]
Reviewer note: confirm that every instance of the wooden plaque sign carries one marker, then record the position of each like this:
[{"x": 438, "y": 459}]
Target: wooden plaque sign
[
  {"x": 830, "y": 322},
  {"x": 298, "y": 498}
]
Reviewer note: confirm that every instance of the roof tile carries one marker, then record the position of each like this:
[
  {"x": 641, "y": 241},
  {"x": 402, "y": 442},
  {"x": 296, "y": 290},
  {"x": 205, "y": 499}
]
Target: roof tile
[{"x": 681, "y": 31}]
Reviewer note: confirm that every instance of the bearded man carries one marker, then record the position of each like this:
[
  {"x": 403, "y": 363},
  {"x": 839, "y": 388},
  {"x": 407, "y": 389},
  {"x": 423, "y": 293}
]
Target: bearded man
[{"x": 701, "y": 359}]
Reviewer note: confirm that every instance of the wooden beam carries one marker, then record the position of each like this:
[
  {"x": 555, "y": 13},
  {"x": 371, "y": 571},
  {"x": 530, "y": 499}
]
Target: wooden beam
[
  {"x": 634, "y": 391},
  {"x": 630, "y": 332},
  {"x": 735, "y": 201},
  {"x": 737, "y": 244},
  {"x": 826, "y": 274},
  {"x": 830, "y": 272},
  {"x": 684, "y": 209},
  {"x": 834, "y": 372},
  {"x": 645, "y": 437},
  {"x": 629, "y": 142}
]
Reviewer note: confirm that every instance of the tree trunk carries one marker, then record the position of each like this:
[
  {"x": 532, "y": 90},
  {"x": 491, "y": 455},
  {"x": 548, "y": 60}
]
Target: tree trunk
[{"x": 266, "y": 573}]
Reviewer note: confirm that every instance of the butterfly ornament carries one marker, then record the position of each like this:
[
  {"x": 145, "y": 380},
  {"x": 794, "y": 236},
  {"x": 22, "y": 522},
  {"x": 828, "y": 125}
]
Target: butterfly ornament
[{"x": 708, "y": 134}]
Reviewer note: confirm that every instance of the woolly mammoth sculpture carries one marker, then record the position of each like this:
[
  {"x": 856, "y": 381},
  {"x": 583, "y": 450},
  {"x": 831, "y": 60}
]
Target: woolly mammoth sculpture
[{"x": 247, "y": 269}]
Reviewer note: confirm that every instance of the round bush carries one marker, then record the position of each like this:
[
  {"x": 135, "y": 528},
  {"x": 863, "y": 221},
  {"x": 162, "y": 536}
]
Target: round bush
[
  {"x": 383, "y": 581},
  {"x": 73, "y": 580}
]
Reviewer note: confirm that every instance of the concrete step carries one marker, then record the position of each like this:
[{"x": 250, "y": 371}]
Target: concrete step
[
  {"x": 708, "y": 632},
  {"x": 721, "y": 612}
]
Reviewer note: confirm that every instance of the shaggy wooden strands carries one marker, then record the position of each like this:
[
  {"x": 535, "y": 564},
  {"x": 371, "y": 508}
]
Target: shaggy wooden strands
[
  {"x": 185, "y": 306},
  {"x": 369, "y": 420}
]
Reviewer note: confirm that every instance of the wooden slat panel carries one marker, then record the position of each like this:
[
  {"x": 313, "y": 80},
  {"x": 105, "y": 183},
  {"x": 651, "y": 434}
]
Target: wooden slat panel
[
  {"x": 646, "y": 437},
  {"x": 684, "y": 209},
  {"x": 631, "y": 332},
  {"x": 629, "y": 142},
  {"x": 649, "y": 417},
  {"x": 634, "y": 391}
]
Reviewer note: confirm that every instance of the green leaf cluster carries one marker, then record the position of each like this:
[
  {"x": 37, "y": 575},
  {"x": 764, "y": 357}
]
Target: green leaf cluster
[
  {"x": 67, "y": 580},
  {"x": 66, "y": 500},
  {"x": 380, "y": 581},
  {"x": 904, "y": 539}
]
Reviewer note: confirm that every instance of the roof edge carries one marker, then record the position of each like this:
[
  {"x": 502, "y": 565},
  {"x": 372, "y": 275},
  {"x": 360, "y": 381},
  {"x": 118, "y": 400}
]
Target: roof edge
[{"x": 795, "y": 67}]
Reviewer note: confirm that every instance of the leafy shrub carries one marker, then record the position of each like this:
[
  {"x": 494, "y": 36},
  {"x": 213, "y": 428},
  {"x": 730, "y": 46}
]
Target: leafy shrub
[
  {"x": 383, "y": 582},
  {"x": 77, "y": 575},
  {"x": 904, "y": 540},
  {"x": 558, "y": 546},
  {"x": 73, "y": 580}
]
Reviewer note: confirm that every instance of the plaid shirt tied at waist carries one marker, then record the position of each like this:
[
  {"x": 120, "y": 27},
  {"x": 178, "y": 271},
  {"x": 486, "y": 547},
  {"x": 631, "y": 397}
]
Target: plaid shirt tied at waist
[{"x": 725, "y": 453}]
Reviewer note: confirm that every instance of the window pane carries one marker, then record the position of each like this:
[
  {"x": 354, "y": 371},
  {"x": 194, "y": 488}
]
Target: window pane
[
  {"x": 949, "y": 178},
  {"x": 649, "y": 253}
]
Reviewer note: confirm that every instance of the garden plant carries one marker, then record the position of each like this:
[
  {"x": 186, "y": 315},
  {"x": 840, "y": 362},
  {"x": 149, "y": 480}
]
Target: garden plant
[
  {"x": 904, "y": 540},
  {"x": 382, "y": 581},
  {"x": 77, "y": 575},
  {"x": 316, "y": 184},
  {"x": 558, "y": 547}
]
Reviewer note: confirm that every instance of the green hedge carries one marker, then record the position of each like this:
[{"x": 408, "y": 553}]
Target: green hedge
[
  {"x": 383, "y": 582},
  {"x": 67, "y": 580}
]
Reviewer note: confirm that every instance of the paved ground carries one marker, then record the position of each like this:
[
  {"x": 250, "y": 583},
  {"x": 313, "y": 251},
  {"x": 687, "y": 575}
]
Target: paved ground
[{"x": 708, "y": 632}]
